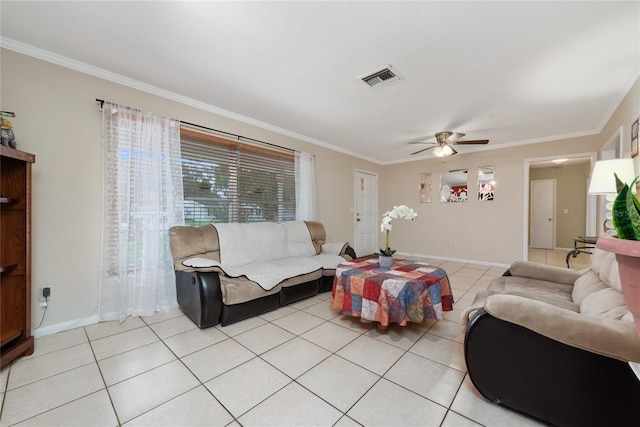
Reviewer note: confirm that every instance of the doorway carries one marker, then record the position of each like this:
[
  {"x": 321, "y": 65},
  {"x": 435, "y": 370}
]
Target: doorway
[
  {"x": 366, "y": 218},
  {"x": 588, "y": 207}
]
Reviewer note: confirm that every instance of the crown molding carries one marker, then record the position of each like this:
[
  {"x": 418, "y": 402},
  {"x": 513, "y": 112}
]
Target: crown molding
[{"x": 91, "y": 70}]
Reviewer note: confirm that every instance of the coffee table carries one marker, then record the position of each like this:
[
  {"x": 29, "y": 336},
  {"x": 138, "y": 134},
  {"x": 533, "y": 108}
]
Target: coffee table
[{"x": 408, "y": 291}]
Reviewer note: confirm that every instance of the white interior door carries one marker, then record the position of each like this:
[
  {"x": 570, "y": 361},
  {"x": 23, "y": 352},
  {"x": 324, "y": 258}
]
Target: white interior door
[
  {"x": 543, "y": 213},
  {"x": 366, "y": 238}
]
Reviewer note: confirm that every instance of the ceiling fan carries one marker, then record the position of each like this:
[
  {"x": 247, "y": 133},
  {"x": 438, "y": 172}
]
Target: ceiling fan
[{"x": 443, "y": 143}]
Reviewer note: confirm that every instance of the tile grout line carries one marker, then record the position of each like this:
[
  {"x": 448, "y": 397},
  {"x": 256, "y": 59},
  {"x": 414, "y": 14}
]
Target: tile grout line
[
  {"x": 201, "y": 384},
  {"x": 106, "y": 388},
  {"x": 423, "y": 333}
]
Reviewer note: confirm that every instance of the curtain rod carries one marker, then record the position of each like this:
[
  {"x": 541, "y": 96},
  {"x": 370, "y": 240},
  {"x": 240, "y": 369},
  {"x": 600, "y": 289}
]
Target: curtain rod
[
  {"x": 239, "y": 136},
  {"x": 102, "y": 101}
]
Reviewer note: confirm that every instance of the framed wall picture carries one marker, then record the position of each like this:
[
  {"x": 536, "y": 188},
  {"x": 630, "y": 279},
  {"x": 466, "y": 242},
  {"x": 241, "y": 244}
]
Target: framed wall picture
[
  {"x": 634, "y": 138},
  {"x": 486, "y": 183},
  {"x": 424, "y": 195}
]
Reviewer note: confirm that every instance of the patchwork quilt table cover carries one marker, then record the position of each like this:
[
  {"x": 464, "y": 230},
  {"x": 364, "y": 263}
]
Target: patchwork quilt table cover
[{"x": 408, "y": 291}]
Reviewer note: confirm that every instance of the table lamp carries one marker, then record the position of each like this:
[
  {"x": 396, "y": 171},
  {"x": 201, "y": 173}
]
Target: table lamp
[{"x": 603, "y": 183}]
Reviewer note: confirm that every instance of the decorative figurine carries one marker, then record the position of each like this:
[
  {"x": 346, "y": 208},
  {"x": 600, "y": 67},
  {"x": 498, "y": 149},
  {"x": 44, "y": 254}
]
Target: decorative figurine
[{"x": 7, "y": 137}]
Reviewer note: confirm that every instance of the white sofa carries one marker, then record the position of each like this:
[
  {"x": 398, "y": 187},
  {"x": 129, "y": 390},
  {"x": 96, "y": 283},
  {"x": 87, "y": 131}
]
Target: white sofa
[{"x": 229, "y": 272}]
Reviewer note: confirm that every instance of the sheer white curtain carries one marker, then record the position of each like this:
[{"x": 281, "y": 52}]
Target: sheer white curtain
[
  {"x": 142, "y": 198},
  {"x": 305, "y": 187}
]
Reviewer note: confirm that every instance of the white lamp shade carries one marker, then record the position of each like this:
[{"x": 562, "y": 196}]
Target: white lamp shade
[{"x": 603, "y": 180}]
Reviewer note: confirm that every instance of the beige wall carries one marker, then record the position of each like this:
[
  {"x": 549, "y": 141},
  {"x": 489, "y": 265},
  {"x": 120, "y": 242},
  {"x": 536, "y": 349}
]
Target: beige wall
[
  {"x": 571, "y": 195},
  {"x": 627, "y": 112},
  {"x": 58, "y": 120},
  {"x": 490, "y": 232}
]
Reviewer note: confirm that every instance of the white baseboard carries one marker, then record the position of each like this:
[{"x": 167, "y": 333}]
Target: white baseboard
[
  {"x": 466, "y": 261},
  {"x": 64, "y": 326},
  {"x": 90, "y": 320}
]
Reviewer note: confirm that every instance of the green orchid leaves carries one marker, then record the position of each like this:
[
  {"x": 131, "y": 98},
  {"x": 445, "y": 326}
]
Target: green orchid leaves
[{"x": 626, "y": 211}]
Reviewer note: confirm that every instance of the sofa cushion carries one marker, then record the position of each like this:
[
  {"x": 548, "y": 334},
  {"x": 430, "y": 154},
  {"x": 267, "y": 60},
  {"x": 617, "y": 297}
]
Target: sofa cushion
[
  {"x": 242, "y": 243},
  {"x": 600, "y": 259},
  {"x": 271, "y": 273},
  {"x": 511, "y": 284},
  {"x": 329, "y": 262},
  {"x": 298, "y": 239},
  {"x": 318, "y": 234},
  {"x": 550, "y": 273},
  {"x": 613, "y": 279},
  {"x": 188, "y": 241},
  {"x": 607, "y": 303},
  {"x": 586, "y": 285},
  {"x": 236, "y": 290},
  {"x": 334, "y": 248}
]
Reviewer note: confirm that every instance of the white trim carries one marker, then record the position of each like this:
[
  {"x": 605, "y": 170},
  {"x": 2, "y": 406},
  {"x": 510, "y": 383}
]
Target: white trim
[
  {"x": 614, "y": 107},
  {"x": 23, "y": 48},
  {"x": 467, "y": 261},
  {"x": 525, "y": 197},
  {"x": 65, "y": 326},
  {"x": 355, "y": 203},
  {"x": 489, "y": 147},
  {"x": 82, "y": 67},
  {"x": 616, "y": 148}
]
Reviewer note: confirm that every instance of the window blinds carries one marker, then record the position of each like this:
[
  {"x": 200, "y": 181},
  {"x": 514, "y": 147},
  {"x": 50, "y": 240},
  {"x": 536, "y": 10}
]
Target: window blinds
[{"x": 228, "y": 180}]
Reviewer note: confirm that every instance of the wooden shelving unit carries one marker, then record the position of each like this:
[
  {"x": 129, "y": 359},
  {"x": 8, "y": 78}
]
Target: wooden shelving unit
[{"x": 15, "y": 254}]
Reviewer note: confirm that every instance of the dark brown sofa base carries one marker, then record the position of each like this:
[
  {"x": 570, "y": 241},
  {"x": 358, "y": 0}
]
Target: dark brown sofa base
[
  {"x": 299, "y": 292},
  {"x": 546, "y": 379},
  {"x": 237, "y": 312},
  {"x": 326, "y": 283},
  {"x": 200, "y": 299}
]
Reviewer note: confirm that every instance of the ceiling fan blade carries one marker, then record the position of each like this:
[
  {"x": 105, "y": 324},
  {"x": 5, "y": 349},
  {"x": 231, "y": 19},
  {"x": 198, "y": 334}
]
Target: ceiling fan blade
[
  {"x": 421, "y": 142},
  {"x": 454, "y": 151},
  {"x": 475, "y": 141},
  {"x": 424, "y": 149},
  {"x": 454, "y": 136}
]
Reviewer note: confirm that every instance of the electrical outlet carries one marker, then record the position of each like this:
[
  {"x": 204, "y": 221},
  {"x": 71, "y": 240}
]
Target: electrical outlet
[{"x": 46, "y": 289}]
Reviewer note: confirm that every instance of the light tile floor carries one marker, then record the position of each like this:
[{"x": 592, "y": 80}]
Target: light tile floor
[
  {"x": 558, "y": 257},
  {"x": 304, "y": 364}
]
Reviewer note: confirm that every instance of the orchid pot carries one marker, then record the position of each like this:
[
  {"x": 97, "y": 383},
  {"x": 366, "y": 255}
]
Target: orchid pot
[
  {"x": 385, "y": 261},
  {"x": 401, "y": 211}
]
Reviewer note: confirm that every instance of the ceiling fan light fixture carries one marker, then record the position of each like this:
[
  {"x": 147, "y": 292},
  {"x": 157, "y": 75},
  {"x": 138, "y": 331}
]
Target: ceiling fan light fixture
[
  {"x": 443, "y": 151},
  {"x": 448, "y": 151}
]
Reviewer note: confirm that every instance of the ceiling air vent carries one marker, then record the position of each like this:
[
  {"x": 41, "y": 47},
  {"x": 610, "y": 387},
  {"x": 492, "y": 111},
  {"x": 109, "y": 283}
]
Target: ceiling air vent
[{"x": 382, "y": 77}]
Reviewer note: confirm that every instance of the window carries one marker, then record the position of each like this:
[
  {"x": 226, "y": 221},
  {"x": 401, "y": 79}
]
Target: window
[{"x": 227, "y": 180}]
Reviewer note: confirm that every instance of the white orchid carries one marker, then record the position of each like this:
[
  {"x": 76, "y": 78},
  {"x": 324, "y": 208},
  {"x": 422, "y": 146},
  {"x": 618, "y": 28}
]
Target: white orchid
[
  {"x": 386, "y": 224},
  {"x": 401, "y": 211}
]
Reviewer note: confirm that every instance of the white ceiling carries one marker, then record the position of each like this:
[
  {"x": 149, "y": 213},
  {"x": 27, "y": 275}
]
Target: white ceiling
[{"x": 512, "y": 72}]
